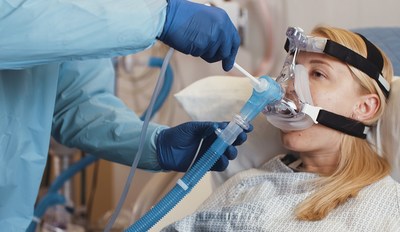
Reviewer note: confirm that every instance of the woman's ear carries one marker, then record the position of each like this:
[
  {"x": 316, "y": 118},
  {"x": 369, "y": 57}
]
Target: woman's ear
[{"x": 366, "y": 107}]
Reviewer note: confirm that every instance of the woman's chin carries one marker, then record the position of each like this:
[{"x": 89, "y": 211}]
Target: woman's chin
[{"x": 288, "y": 131}]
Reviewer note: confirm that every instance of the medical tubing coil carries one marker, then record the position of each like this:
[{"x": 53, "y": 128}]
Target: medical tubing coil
[
  {"x": 166, "y": 87},
  {"x": 71, "y": 171},
  {"x": 258, "y": 100},
  {"x": 50, "y": 200},
  {"x": 182, "y": 188},
  {"x": 52, "y": 197}
]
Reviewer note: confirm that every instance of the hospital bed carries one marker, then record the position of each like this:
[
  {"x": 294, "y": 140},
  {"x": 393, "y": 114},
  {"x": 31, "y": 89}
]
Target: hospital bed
[{"x": 213, "y": 99}]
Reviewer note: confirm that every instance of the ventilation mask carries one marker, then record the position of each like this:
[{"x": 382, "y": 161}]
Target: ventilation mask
[{"x": 296, "y": 110}]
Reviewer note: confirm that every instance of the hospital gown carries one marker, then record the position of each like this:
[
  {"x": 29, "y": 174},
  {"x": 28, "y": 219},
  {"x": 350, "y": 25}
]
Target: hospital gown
[{"x": 264, "y": 199}]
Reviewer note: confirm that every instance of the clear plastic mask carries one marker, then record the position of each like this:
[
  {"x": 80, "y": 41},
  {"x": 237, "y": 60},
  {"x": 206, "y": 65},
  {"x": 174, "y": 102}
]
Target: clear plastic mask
[
  {"x": 296, "y": 110},
  {"x": 287, "y": 114}
]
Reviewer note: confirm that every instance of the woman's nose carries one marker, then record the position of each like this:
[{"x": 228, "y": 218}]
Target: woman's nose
[{"x": 290, "y": 87}]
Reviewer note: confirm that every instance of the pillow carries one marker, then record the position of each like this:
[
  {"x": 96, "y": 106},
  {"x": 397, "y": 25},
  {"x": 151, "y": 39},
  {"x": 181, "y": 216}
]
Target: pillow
[{"x": 219, "y": 98}]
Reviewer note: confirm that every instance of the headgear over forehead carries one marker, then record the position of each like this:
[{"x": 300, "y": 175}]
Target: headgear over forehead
[{"x": 372, "y": 65}]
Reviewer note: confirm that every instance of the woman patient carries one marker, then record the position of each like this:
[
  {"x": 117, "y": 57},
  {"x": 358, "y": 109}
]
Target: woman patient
[{"x": 333, "y": 180}]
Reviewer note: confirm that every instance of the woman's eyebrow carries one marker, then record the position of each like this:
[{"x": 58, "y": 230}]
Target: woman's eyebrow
[{"x": 318, "y": 61}]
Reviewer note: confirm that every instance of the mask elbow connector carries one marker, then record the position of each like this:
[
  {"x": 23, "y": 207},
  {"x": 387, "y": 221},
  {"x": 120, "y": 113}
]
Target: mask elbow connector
[{"x": 261, "y": 86}]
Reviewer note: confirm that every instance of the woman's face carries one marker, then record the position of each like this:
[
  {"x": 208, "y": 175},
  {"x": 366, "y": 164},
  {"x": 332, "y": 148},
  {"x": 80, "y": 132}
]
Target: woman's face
[{"x": 333, "y": 89}]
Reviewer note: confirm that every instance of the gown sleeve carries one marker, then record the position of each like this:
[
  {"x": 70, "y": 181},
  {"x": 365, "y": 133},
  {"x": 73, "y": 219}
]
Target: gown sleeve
[
  {"x": 34, "y": 32},
  {"x": 90, "y": 117}
]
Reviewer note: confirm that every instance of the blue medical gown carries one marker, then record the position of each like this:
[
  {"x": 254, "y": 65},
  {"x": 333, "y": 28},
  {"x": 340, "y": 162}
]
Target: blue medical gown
[
  {"x": 74, "y": 102},
  {"x": 49, "y": 85},
  {"x": 38, "y": 31}
]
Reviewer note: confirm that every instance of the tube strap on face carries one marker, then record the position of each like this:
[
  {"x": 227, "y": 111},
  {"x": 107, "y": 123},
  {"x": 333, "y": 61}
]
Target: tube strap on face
[
  {"x": 356, "y": 60},
  {"x": 343, "y": 124}
]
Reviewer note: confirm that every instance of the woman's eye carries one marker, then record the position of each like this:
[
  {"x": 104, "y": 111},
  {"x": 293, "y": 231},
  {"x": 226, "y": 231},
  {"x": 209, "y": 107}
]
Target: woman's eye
[{"x": 317, "y": 74}]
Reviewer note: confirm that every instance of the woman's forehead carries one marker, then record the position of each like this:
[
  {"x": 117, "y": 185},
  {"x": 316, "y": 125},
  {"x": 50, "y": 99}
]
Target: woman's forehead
[
  {"x": 330, "y": 66},
  {"x": 307, "y": 56},
  {"x": 322, "y": 59}
]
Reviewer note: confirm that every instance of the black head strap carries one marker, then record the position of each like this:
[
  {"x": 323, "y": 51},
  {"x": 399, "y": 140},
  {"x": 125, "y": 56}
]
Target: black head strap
[
  {"x": 343, "y": 124},
  {"x": 356, "y": 60},
  {"x": 287, "y": 44},
  {"x": 372, "y": 66},
  {"x": 373, "y": 54}
]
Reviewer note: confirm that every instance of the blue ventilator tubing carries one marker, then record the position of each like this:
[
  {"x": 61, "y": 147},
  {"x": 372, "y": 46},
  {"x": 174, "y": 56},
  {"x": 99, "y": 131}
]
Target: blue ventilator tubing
[{"x": 271, "y": 93}]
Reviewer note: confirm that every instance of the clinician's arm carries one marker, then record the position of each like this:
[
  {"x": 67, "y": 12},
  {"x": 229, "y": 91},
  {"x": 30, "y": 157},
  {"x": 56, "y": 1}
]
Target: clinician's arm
[
  {"x": 38, "y": 31},
  {"x": 88, "y": 116}
]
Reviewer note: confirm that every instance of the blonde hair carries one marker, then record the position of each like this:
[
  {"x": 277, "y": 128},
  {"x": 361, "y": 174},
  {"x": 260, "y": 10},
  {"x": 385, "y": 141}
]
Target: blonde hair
[{"x": 359, "y": 164}]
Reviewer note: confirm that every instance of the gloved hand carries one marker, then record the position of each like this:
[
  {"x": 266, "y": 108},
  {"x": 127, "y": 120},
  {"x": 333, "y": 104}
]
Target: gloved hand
[
  {"x": 177, "y": 146},
  {"x": 201, "y": 30}
]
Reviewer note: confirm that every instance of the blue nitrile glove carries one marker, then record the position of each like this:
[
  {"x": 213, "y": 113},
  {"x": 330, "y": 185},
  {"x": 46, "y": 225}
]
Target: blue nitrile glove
[
  {"x": 201, "y": 30},
  {"x": 177, "y": 146}
]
